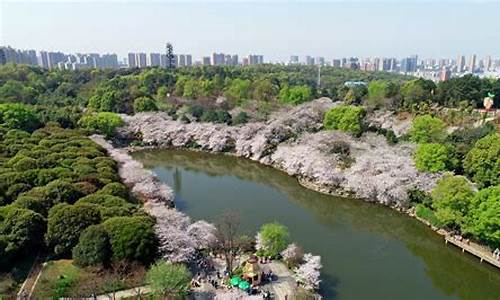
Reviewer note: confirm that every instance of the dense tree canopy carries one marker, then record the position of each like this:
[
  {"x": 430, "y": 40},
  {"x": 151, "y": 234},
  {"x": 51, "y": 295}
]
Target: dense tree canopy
[
  {"x": 345, "y": 117},
  {"x": 431, "y": 157},
  {"x": 427, "y": 129},
  {"x": 482, "y": 163}
]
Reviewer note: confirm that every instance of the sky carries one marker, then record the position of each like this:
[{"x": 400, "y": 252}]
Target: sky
[{"x": 274, "y": 28}]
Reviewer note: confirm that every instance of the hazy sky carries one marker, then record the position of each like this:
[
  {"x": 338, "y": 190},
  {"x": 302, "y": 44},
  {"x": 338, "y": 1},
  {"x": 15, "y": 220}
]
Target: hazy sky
[{"x": 276, "y": 29}]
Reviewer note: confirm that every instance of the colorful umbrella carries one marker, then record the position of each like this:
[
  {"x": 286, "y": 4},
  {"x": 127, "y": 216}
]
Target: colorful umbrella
[
  {"x": 244, "y": 285},
  {"x": 235, "y": 281}
]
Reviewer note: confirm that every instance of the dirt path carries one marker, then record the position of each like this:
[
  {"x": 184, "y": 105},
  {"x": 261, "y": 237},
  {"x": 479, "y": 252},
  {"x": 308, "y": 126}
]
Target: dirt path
[{"x": 26, "y": 290}]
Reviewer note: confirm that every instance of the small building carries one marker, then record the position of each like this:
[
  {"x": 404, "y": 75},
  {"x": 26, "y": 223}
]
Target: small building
[{"x": 251, "y": 271}]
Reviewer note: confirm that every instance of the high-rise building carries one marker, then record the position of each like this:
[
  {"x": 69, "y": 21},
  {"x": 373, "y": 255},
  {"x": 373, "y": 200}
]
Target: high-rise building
[
  {"x": 189, "y": 60},
  {"x": 182, "y": 60},
  {"x": 336, "y": 63},
  {"x": 309, "y": 60},
  {"x": 255, "y": 59},
  {"x": 154, "y": 59},
  {"x": 320, "y": 61},
  {"x": 460, "y": 63},
  {"x": 132, "y": 62},
  {"x": 294, "y": 59},
  {"x": 3, "y": 59},
  {"x": 409, "y": 64},
  {"x": 445, "y": 74},
  {"x": 140, "y": 59},
  {"x": 472, "y": 63},
  {"x": 487, "y": 63},
  {"x": 218, "y": 59},
  {"x": 206, "y": 61}
]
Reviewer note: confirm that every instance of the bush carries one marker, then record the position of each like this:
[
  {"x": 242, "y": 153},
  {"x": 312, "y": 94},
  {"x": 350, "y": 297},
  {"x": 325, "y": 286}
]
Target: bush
[
  {"x": 115, "y": 189},
  {"x": 196, "y": 111},
  {"x": 482, "y": 163},
  {"x": 131, "y": 238},
  {"x": 427, "y": 214},
  {"x": 431, "y": 157},
  {"x": 427, "y": 129},
  {"x": 21, "y": 230},
  {"x": 93, "y": 247},
  {"x": 345, "y": 117},
  {"x": 18, "y": 116},
  {"x": 451, "y": 199},
  {"x": 295, "y": 95},
  {"x": 143, "y": 104},
  {"x": 65, "y": 224},
  {"x": 417, "y": 196},
  {"x": 241, "y": 118},
  {"x": 103, "y": 123},
  {"x": 209, "y": 116},
  {"x": 60, "y": 191},
  {"x": 168, "y": 280},
  {"x": 224, "y": 117}
]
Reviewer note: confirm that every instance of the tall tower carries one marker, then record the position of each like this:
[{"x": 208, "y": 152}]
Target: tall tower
[{"x": 170, "y": 56}]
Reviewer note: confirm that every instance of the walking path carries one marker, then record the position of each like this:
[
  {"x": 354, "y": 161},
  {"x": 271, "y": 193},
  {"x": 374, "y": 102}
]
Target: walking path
[
  {"x": 26, "y": 290},
  {"x": 134, "y": 292},
  {"x": 473, "y": 249}
]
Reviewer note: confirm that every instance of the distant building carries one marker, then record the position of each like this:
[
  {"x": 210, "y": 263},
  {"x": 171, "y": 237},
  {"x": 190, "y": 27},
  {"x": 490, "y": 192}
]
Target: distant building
[
  {"x": 255, "y": 59},
  {"x": 445, "y": 74},
  {"x": 472, "y": 63},
  {"x": 336, "y": 63},
  {"x": 409, "y": 64},
  {"x": 460, "y": 63},
  {"x": 140, "y": 59},
  {"x": 294, "y": 60},
  {"x": 132, "y": 62},
  {"x": 189, "y": 60},
  {"x": 154, "y": 59},
  {"x": 309, "y": 60},
  {"x": 487, "y": 63},
  {"x": 43, "y": 59},
  {"x": 206, "y": 61},
  {"x": 218, "y": 59},
  {"x": 320, "y": 61}
]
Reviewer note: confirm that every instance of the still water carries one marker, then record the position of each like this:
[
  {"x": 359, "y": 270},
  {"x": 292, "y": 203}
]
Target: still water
[{"x": 368, "y": 251}]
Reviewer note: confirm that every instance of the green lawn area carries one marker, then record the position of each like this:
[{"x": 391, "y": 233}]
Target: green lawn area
[
  {"x": 60, "y": 278},
  {"x": 11, "y": 281}
]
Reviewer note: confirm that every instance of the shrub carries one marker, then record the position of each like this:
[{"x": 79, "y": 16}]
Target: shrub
[
  {"x": 431, "y": 157},
  {"x": 93, "y": 247},
  {"x": 60, "y": 191},
  {"x": 223, "y": 117},
  {"x": 65, "y": 224},
  {"x": 103, "y": 123},
  {"x": 18, "y": 116},
  {"x": 14, "y": 190},
  {"x": 115, "y": 189},
  {"x": 131, "y": 238},
  {"x": 427, "y": 214},
  {"x": 209, "y": 116},
  {"x": 32, "y": 203},
  {"x": 295, "y": 95},
  {"x": 345, "y": 117},
  {"x": 482, "y": 163},
  {"x": 143, "y": 104},
  {"x": 427, "y": 129},
  {"x": 168, "y": 280},
  {"x": 417, "y": 196},
  {"x": 196, "y": 111},
  {"x": 241, "y": 118}
]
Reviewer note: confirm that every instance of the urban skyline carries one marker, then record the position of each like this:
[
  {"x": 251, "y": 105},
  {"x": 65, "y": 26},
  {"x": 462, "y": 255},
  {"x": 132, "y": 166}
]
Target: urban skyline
[{"x": 437, "y": 69}]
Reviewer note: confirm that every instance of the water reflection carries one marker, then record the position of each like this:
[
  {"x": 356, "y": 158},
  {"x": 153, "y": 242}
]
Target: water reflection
[{"x": 368, "y": 251}]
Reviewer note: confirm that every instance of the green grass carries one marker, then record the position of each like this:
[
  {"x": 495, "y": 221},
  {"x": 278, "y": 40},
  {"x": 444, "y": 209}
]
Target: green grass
[
  {"x": 60, "y": 278},
  {"x": 427, "y": 214}
]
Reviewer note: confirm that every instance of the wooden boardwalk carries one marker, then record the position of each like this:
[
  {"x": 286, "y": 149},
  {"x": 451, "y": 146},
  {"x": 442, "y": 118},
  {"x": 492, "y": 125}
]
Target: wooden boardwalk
[{"x": 476, "y": 251}]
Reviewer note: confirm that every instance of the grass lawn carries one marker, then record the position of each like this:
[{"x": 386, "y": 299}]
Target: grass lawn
[
  {"x": 60, "y": 278},
  {"x": 11, "y": 281}
]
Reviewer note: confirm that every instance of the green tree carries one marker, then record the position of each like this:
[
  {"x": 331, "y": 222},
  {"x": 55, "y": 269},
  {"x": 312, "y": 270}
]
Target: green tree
[
  {"x": 264, "y": 90},
  {"x": 451, "y": 198},
  {"x": 93, "y": 247},
  {"x": 427, "y": 129},
  {"x": 380, "y": 93},
  {"x": 431, "y": 157},
  {"x": 18, "y": 116},
  {"x": 483, "y": 220},
  {"x": 65, "y": 224},
  {"x": 241, "y": 118},
  {"x": 142, "y": 104},
  {"x": 295, "y": 95},
  {"x": 131, "y": 238},
  {"x": 273, "y": 238},
  {"x": 345, "y": 117},
  {"x": 168, "y": 280},
  {"x": 417, "y": 91},
  {"x": 238, "y": 90},
  {"x": 482, "y": 163},
  {"x": 103, "y": 123}
]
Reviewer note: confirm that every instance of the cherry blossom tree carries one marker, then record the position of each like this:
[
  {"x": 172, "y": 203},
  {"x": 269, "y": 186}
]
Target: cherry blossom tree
[
  {"x": 308, "y": 273},
  {"x": 204, "y": 234},
  {"x": 292, "y": 255}
]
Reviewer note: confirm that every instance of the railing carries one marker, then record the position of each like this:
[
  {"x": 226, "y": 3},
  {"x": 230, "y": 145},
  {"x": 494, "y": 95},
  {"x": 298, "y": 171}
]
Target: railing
[{"x": 482, "y": 254}]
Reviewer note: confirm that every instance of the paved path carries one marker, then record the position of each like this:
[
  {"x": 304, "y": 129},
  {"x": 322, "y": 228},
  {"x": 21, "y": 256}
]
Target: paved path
[
  {"x": 474, "y": 249},
  {"x": 142, "y": 290}
]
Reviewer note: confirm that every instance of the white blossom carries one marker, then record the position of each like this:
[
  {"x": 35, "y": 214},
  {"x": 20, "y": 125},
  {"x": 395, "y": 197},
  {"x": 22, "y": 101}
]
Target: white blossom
[
  {"x": 308, "y": 273},
  {"x": 203, "y": 233},
  {"x": 292, "y": 253},
  {"x": 175, "y": 244},
  {"x": 259, "y": 244}
]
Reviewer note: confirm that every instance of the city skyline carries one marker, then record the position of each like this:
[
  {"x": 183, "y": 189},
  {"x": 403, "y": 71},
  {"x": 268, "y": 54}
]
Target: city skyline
[{"x": 336, "y": 29}]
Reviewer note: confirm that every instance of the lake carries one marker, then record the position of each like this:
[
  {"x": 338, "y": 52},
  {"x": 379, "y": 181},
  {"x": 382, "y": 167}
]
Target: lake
[{"x": 368, "y": 251}]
